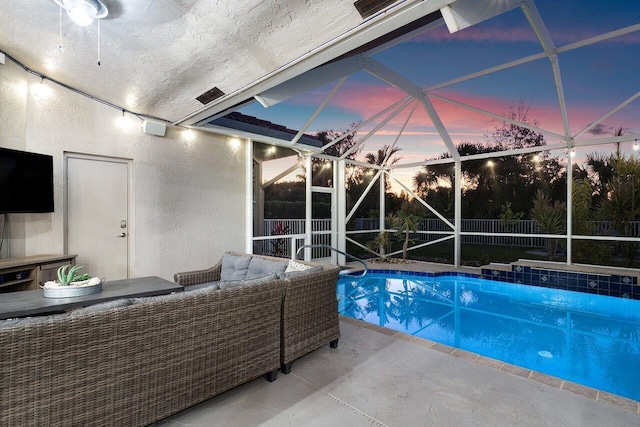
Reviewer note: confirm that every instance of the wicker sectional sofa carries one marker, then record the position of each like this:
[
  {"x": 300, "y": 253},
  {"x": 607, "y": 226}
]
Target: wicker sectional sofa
[
  {"x": 309, "y": 316},
  {"x": 138, "y": 361},
  {"x": 131, "y": 362}
]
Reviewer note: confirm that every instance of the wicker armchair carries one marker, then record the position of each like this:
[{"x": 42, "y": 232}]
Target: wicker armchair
[
  {"x": 309, "y": 311},
  {"x": 309, "y": 314}
]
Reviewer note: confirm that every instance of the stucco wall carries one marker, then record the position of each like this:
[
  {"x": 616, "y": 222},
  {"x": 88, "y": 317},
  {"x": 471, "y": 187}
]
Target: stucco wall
[
  {"x": 188, "y": 196},
  {"x": 13, "y": 128}
]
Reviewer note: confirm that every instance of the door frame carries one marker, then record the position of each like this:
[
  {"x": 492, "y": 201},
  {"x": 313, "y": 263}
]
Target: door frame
[{"x": 130, "y": 199}]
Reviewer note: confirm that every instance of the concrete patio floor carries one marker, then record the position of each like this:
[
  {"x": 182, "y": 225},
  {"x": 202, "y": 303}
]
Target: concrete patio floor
[{"x": 378, "y": 377}]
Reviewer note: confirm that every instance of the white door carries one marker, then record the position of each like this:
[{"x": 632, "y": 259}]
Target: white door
[{"x": 97, "y": 215}]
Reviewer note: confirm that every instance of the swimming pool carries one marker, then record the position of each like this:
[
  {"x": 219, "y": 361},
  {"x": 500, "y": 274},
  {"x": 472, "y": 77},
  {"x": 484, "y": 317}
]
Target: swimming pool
[{"x": 589, "y": 339}]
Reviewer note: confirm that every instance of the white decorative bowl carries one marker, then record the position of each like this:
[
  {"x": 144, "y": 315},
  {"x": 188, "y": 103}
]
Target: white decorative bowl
[{"x": 72, "y": 291}]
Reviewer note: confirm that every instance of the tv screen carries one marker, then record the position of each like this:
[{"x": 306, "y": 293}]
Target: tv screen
[{"x": 26, "y": 182}]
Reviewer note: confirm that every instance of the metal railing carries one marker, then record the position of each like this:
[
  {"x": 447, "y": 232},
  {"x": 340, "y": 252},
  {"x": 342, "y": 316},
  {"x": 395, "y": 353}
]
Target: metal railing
[
  {"x": 284, "y": 234},
  {"x": 493, "y": 226},
  {"x": 489, "y": 232}
]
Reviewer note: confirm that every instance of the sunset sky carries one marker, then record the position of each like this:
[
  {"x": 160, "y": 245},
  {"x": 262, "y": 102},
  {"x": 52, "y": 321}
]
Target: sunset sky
[{"x": 596, "y": 79}]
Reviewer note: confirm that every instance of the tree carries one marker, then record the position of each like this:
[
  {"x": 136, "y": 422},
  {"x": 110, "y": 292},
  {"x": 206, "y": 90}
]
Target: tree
[
  {"x": 550, "y": 217},
  {"x": 378, "y": 159},
  {"x": 405, "y": 222},
  {"x": 583, "y": 223},
  {"x": 380, "y": 244},
  {"x": 490, "y": 185},
  {"x": 509, "y": 218},
  {"x": 510, "y": 135},
  {"x": 601, "y": 169},
  {"x": 384, "y": 153},
  {"x": 621, "y": 203},
  {"x": 616, "y": 188},
  {"x": 323, "y": 174}
]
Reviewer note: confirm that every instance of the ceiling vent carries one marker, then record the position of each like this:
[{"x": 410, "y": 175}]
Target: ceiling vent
[
  {"x": 366, "y": 8},
  {"x": 210, "y": 95}
]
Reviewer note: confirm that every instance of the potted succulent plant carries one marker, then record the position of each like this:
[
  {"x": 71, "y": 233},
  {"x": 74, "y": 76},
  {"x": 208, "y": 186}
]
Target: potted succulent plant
[{"x": 71, "y": 284}]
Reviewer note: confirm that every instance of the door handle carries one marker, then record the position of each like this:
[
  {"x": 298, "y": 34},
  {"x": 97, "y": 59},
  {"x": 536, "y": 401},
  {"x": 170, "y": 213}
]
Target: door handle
[{"x": 122, "y": 235}]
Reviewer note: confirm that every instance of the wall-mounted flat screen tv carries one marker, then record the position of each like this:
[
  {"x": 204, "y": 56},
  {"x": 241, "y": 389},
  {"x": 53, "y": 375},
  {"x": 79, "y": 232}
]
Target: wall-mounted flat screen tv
[{"x": 26, "y": 182}]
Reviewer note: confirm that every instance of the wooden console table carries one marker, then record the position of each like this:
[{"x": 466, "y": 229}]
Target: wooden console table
[
  {"x": 30, "y": 303},
  {"x": 21, "y": 274}
]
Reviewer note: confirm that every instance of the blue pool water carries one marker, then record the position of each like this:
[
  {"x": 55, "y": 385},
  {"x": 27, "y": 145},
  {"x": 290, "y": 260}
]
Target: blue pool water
[{"x": 589, "y": 339}]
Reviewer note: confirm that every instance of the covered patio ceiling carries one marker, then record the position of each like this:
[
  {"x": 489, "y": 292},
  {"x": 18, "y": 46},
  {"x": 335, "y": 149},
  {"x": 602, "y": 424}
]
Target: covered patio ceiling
[{"x": 154, "y": 58}]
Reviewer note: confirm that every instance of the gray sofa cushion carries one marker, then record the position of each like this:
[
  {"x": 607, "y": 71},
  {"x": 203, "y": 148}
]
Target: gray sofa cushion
[
  {"x": 259, "y": 267},
  {"x": 213, "y": 287},
  {"x": 290, "y": 274},
  {"x": 96, "y": 308},
  {"x": 164, "y": 298},
  {"x": 21, "y": 321},
  {"x": 227, "y": 284},
  {"x": 103, "y": 306},
  {"x": 234, "y": 267},
  {"x": 206, "y": 285}
]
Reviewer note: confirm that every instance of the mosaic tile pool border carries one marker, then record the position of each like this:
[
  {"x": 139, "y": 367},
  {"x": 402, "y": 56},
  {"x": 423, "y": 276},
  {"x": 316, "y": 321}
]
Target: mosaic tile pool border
[{"x": 600, "y": 284}]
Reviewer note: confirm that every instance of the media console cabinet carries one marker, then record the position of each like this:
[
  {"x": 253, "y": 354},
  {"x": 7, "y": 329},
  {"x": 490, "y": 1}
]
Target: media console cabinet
[{"x": 31, "y": 272}]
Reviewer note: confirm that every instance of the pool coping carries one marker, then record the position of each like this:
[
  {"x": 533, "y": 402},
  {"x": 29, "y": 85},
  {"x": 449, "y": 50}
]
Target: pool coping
[{"x": 606, "y": 397}]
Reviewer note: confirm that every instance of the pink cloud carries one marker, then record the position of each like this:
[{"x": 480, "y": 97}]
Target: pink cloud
[
  {"x": 366, "y": 100},
  {"x": 441, "y": 34}
]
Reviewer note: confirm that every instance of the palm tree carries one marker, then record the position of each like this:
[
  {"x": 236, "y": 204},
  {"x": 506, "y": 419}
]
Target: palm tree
[
  {"x": 384, "y": 153},
  {"x": 549, "y": 217},
  {"x": 321, "y": 169},
  {"x": 380, "y": 244},
  {"x": 405, "y": 222},
  {"x": 585, "y": 222},
  {"x": 619, "y": 205}
]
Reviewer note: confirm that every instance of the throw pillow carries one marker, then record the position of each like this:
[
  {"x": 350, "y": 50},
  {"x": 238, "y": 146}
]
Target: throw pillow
[
  {"x": 234, "y": 267},
  {"x": 296, "y": 266},
  {"x": 259, "y": 267}
]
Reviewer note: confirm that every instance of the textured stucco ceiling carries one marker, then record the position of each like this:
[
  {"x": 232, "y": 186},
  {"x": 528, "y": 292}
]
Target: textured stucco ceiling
[{"x": 157, "y": 56}]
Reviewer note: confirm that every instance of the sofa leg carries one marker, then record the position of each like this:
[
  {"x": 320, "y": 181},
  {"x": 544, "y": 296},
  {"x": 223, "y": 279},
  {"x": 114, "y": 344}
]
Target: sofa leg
[
  {"x": 271, "y": 376},
  {"x": 286, "y": 367},
  {"x": 334, "y": 343}
]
